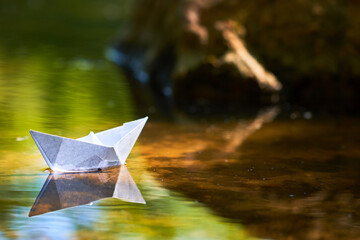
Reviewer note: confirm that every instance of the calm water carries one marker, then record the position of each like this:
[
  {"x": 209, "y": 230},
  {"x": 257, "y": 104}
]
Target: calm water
[{"x": 264, "y": 176}]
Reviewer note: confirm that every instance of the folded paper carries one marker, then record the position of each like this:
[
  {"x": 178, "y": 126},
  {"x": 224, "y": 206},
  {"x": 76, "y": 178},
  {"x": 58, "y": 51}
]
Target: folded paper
[
  {"x": 64, "y": 190},
  {"x": 95, "y": 151}
]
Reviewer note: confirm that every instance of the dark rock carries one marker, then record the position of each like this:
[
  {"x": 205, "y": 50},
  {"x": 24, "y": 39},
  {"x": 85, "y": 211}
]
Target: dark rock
[{"x": 194, "y": 52}]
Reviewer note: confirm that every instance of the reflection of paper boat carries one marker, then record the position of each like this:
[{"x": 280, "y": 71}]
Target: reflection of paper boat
[
  {"x": 64, "y": 190},
  {"x": 96, "y": 151}
]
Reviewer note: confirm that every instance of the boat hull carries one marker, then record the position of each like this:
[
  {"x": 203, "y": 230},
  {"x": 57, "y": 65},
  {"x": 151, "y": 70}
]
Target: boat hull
[{"x": 91, "y": 153}]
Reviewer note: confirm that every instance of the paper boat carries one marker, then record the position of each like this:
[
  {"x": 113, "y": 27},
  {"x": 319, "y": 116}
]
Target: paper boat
[
  {"x": 93, "y": 152},
  {"x": 65, "y": 190}
]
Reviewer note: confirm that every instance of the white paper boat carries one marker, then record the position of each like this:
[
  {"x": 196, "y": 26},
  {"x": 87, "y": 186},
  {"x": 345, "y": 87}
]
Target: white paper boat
[
  {"x": 65, "y": 190},
  {"x": 93, "y": 152}
]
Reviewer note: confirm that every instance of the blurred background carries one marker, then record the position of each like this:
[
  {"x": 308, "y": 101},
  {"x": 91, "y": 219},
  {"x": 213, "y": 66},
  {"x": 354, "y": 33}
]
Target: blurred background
[{"x": 253, "y": 106}]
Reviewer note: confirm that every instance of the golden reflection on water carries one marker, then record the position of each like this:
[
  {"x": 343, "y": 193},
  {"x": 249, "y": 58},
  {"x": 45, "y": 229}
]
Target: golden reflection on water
[{"x": 288, "y": 180}]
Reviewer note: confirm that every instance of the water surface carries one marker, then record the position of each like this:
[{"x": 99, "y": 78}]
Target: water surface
[{"x": 274, "y": 174}]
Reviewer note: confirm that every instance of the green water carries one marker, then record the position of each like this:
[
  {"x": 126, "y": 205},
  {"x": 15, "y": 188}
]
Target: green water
[
  {"x": 54, "y": 78},
  {"x": 276, "y": 174}
]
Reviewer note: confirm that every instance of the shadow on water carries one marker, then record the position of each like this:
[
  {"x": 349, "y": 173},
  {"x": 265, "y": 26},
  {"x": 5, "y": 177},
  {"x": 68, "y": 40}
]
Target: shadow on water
[{"x": 65, "y": 190}]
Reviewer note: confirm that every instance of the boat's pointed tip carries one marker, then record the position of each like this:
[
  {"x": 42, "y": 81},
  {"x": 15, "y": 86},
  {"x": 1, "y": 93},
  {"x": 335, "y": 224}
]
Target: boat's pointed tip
[
  {"x": 144, "y": 119},
  {"x": 32, "y": 213},
  {"x": 33, "y": 131}
]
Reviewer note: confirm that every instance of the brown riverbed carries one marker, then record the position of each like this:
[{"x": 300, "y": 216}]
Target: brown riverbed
[{"x": 287, "y": 180}]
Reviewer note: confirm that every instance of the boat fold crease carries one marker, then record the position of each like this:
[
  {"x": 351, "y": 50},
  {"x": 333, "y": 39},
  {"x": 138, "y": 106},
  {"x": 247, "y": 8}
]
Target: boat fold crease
[{"x": 104, "y": 149}]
